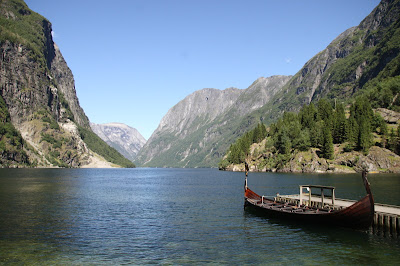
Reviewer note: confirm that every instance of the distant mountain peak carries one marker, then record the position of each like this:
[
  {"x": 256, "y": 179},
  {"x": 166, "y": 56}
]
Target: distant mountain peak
[
  {"x": 125, "y": 139},
  {"x": 199, "y": 128}
]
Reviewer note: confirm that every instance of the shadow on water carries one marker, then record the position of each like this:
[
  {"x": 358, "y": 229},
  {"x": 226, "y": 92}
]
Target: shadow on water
[{"x": 366, "y": 247}]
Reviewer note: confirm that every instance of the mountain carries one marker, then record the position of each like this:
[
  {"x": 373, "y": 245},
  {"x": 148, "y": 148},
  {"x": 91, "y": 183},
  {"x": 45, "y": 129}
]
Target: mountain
[
  {"x": 198, "y": 130},
  {"x": 195, "y": 133},
  {"x": 42, "y": 123},
  {"x": 126, "y": 140},
  {"x": 353, "y": 64}
]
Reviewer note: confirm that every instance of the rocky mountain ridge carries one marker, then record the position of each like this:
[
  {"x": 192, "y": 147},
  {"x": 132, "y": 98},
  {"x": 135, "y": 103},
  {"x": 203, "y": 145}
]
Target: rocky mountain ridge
[
  {"x": 199, "y": 128},
  {"x": 38, "y": 91},
  {"x": 358, "y": 58},
  {"x": 125, "y": 139},
  {"x": 356, "y": 61}
]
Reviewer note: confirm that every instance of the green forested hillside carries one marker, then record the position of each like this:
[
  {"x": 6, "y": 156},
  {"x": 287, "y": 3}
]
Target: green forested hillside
[
  {"x": 320, "y": 127},
  {"x": 328, "y": 104}
]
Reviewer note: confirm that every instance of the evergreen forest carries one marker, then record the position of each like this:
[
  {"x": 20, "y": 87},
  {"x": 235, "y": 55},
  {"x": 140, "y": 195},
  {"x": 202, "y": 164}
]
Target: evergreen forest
[{"x": 322, "y": 125}]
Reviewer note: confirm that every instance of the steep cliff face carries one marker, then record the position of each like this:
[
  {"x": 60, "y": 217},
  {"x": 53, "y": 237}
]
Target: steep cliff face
[
  {"x": 355, "y": 59},
  {"x": 125, "y": 139},
  {"x": 66, "y": 84},
  {"x": 38, "y": 90},
  {"x": 206, "y": 104},
  {"x": 34, "y": 73},
  {"x": 199, "y": 129},
  {"x": 24, "y": 86}
]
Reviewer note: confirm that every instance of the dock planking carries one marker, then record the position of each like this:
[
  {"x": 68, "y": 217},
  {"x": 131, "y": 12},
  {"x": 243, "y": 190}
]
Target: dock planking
[{"x": 386, "y": 217}]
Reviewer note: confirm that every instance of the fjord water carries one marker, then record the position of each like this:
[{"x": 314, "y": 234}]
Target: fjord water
[{"x": 175, "y": 216}]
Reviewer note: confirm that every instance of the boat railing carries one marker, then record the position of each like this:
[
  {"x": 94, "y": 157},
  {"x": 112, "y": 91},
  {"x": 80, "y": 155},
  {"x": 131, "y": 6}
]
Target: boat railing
[{"x": 303, "y": 195}]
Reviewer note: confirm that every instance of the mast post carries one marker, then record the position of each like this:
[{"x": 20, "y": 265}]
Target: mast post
[{"x": 246, "y": 170}]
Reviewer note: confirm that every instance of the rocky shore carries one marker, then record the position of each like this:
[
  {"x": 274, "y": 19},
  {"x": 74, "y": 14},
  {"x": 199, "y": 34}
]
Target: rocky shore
[{"x": 378, "y": 160}]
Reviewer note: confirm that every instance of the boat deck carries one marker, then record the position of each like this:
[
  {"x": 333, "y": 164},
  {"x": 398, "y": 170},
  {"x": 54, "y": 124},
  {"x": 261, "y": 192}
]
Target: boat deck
[
  {"x": 383, "y": 208},
  {"x": 286, "y": 206},
  {"x": 386, "y": 217}
]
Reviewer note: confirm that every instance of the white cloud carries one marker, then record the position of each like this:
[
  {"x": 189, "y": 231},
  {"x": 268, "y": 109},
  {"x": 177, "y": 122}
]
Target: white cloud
[{"x": 288, "y": 60}]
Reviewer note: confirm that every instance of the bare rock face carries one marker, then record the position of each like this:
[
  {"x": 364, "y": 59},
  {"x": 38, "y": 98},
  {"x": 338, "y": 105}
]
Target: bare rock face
[
  {"x": 32, "y": 81},
  {"x": 203, "y": 103},
  {"x": 198, "y": 130},
  {"x": 24, "y": 87},
  {"x": 125, "y": 139},
  {"x": 389, "y": 116},
  {"x": 38, "y": 89},
  {"x": 66, "y": 84}
]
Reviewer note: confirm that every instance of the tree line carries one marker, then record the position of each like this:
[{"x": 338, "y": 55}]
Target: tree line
[
  {"x": 238, "y": 151},
  {"x": 321, "y": 126}
]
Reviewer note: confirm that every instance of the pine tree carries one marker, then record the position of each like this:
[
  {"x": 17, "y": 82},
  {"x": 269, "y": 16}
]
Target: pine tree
[
  {"x": 398, "y": 131},
  {"x": 316, "y": 134},
  {"x": 361, "y": 111},
  {"x": 304, "y": 142},
  {"x": 339, "y": 128},
  {"x": 264, "y": 132},
  {"x": 308, "y": 116},
  {"x": 398, "y": 140},
  {"x": 259, "y": 133},
  {"x": 364, "y": 137},
  {"x": 244, "y": 144},
  {"x": 351, "y": 133},
  {"x": 383, "y": 130},
  {"x": 325, "y": 112},
  {"x": 233, "y": 156},
  {"x": 327, "y": 143},
  {"x": 295, "y": 133},
  {"x": 386, "y": 97},
  {"x": 283, "y": 143},
  {"x": 392, "y": 143}
]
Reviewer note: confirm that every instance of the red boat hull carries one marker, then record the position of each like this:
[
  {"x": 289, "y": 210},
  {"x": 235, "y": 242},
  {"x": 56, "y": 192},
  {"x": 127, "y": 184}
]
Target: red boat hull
[{"x": 358, "y": 216}]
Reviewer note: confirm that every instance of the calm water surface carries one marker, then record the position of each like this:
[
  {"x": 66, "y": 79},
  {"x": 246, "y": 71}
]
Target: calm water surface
[{"x": 174, "y": 216}]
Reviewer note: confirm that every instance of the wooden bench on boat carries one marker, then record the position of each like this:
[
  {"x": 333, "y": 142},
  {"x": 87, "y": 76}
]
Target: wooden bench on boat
[{"x": 359, "y": 215}]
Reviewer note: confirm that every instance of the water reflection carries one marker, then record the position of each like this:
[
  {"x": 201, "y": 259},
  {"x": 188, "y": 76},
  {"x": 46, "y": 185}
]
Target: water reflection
[
  {"x": 35, "y": 213},
  {"x": 172, "y": 216},
  {"x": 332, "y": 244}
]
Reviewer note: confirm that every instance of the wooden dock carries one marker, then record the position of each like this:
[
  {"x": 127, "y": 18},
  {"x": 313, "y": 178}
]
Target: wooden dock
[{"x": 386, "y": 218}]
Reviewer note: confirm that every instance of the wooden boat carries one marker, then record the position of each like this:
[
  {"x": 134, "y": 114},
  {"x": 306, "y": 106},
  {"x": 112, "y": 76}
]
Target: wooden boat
[{"x": 358, "y": 216}]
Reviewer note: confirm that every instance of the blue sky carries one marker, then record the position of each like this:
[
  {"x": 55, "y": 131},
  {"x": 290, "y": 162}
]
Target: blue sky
[{"x": 134, "y": 60}]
